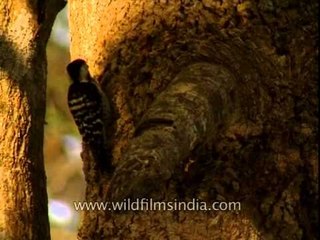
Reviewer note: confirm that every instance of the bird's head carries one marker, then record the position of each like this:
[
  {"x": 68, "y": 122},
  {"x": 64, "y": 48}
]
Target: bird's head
[{"x": 78, "y": 71}]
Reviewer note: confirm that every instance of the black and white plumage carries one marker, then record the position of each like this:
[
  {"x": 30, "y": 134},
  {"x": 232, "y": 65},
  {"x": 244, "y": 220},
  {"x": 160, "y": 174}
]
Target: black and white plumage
[{"x": 91, "y": 111}]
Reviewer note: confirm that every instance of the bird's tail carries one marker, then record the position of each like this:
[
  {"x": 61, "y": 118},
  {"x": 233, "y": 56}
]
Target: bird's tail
[{"x": 102, "y": 157}]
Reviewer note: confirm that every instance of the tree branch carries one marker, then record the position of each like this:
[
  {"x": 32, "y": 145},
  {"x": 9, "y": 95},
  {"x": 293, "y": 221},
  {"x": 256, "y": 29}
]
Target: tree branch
[{"x": 197, "y": 102}]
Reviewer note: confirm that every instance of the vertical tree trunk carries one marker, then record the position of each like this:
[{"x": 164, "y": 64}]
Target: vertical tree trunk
[
  {"x": 25, "y": 29},
  {"x": 265, "y": 157}
]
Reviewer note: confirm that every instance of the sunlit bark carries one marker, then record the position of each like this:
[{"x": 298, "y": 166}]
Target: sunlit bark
[{"x": 24, "y": 30}]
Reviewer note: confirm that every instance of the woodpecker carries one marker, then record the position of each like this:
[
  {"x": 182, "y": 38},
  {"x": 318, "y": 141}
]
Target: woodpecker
[{"x": 90, "y": 109}]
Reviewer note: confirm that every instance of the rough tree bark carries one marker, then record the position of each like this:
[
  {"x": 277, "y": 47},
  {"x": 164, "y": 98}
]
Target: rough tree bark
[
  {"x": 25, "y": 29},
  {"x": 212, "y": 99}
]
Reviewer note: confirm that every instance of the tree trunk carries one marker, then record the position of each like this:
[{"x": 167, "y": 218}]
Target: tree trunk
[
  {"x": 25, "y": 29},
  {"x": 214, "y": 100}
]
